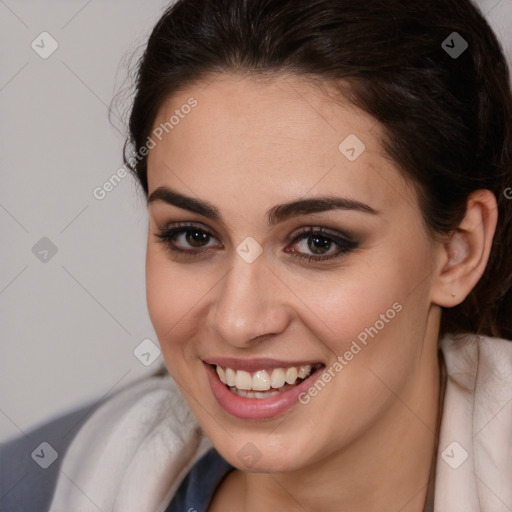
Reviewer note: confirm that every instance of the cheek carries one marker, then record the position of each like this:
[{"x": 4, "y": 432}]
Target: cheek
[
  {"x": 172, "y": 293},
  {"x": 380, "y": 303},
  {"x": 373, "y": 327},
  {"x": 351, "y": 302}
]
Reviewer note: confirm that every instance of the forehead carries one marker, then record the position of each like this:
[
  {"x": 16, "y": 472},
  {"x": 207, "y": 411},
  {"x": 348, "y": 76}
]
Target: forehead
[{"x": 268, "y": 140}]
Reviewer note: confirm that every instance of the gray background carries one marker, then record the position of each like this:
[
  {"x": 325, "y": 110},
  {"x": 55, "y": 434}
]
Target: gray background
[{"x": 70, "y": 323}]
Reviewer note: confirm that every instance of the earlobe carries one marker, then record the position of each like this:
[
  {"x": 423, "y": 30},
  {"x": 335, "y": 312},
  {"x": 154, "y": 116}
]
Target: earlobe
[{"x": 465, "y": 254}]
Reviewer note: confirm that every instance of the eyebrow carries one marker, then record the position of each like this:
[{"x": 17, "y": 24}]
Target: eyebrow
[{"x": 275, "y": 215}]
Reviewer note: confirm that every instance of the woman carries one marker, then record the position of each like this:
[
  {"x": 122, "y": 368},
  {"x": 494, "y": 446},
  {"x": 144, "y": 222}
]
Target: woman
[{"x": 328, "y": 267}]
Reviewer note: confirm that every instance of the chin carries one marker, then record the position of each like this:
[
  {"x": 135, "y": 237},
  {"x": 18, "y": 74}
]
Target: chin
[{"x": 263, "y": 453}]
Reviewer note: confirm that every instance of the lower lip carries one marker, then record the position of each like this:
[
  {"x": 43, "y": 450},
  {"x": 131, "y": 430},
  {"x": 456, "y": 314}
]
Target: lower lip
[{"x": 257, "y": 408}]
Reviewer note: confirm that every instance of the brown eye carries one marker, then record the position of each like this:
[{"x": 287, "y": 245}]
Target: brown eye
[
  {"x": 185, "y": 238},
  {"x": 319, "y": 242},
  {"x": 313, "y": 244}
]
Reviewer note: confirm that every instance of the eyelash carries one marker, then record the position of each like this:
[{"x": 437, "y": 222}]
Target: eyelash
[{"x": 344, "y": 242}]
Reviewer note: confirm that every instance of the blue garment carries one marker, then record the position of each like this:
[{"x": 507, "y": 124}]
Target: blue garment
[{"x": 196, "y": 491}]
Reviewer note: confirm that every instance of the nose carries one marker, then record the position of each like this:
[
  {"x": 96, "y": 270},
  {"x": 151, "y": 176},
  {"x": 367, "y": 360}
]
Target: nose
[{"x": 249, "y": 305}]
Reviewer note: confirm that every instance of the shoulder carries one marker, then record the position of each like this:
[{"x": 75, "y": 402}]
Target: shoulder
[
  {"x": 132, "y": 452},
  {"x": 476, "y": 424},
  {"x": 30, "y": 464},
  {"x": 478, "y": 357}
]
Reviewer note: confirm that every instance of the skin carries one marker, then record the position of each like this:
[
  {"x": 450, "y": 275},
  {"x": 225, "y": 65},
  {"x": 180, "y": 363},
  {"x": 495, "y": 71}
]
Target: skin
[{"x": 365, "y": 442}]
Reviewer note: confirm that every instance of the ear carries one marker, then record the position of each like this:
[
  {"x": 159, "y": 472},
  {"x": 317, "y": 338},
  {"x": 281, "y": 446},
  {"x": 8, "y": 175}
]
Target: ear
[{"x": 463, "y": 257}]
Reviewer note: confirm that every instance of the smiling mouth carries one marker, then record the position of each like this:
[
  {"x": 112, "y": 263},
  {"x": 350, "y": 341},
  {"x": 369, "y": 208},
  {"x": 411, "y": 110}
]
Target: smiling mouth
[{"x": 262, "y": 383}]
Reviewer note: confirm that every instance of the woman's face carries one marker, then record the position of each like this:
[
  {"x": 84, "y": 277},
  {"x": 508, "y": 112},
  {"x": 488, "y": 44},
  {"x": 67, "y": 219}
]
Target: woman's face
[{"x": 250, "y": 285}]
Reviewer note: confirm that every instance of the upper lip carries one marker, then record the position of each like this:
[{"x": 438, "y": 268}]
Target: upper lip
[{"x": 252, "y": 365}]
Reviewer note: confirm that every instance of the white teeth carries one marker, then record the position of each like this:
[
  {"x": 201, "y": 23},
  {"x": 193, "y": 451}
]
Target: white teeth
[
  {"x": 261, "y": 381},
  {"x": 230, "y": 377},
  {"x": 278, "y": 378},
  {"x": 254, "y": 394},
  {"x": 304, "y": 371},
  {"x": 221, "y": 373},
  {"x": 243, "y": 380},
  {"x": 291, "y": 375}
]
